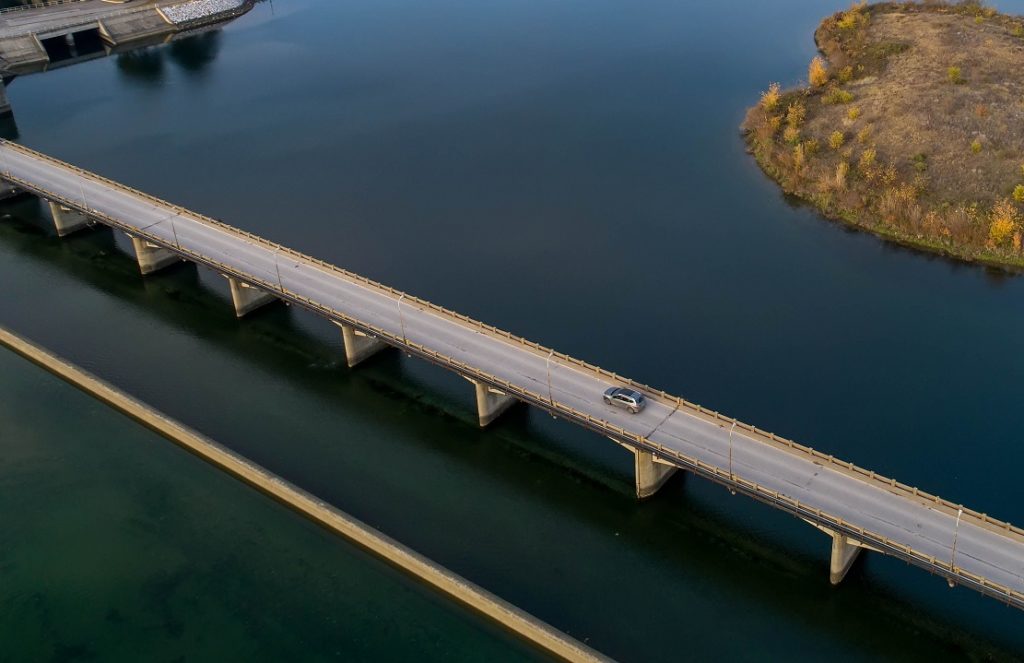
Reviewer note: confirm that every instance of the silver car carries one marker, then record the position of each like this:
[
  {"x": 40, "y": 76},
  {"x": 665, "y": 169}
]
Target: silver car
[{"x": 628, "y": 399}]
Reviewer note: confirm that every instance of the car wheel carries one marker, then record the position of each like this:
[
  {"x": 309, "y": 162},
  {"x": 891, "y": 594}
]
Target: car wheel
[{"x": 634, "y": 410}]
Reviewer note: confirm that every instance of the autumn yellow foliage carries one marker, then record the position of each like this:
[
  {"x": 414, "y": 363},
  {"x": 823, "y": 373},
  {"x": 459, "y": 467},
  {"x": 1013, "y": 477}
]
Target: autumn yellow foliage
[
  {"x": 817, "y": 73},
  {"x": 1005, "y": 222},
  {"x": 770, "y": 97}
]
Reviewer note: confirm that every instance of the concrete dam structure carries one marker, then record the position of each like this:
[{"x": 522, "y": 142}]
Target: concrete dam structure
[
  {"x": 62, "y": 32},
  {"x": 855, "y": 508}
]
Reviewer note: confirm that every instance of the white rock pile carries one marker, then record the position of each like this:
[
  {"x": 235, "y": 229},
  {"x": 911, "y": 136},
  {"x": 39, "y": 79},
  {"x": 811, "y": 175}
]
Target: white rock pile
[{"x": 199, "y": 9}]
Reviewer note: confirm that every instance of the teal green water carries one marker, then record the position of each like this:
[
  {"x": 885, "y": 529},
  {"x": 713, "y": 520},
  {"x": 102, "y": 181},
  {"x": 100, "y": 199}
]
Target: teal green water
[{"x": 118, "y": 545}]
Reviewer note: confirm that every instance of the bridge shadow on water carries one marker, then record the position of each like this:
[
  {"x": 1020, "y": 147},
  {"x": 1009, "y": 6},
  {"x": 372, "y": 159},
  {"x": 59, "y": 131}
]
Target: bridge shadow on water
[{"x": 692, "y": 533}]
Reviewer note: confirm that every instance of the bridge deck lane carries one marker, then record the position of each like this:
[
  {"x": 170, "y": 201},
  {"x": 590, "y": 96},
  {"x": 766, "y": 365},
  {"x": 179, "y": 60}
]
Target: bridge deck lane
[{"x": 986, "y": 551}]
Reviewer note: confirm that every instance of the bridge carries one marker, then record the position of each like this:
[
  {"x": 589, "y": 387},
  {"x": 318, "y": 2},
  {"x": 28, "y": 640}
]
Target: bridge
[{"x": 857, "y": 509}]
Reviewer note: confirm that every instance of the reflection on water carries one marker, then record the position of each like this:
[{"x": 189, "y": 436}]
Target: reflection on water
[
  {"x": 193, "y": 54},
  {"x": 196, "y": 52},
  {"x": 143, "y": 64}
]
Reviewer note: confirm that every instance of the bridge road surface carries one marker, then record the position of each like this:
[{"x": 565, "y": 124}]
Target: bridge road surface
[{"x": 959, "y": 544}]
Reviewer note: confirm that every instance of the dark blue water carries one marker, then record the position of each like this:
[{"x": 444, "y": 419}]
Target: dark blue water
[{"x": 504, "y": 159}]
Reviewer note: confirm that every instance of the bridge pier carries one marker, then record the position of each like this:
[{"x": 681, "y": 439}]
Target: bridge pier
[
  {"x": 359, "y": 345},
  {"x": 65, "y": 219},
  {"x": 152, "y": 257},
  {"x": 247, "y": 298},
  {"x": 490, "y": 402},
  {"x": 844, "y": 552},
  {"x": 650, "y": 473},
  {"x": 5, "y": 105}
]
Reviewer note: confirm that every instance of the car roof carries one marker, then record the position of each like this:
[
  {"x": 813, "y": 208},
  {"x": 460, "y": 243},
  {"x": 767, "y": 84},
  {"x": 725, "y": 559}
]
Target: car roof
[{"x": 625, "y": 392}]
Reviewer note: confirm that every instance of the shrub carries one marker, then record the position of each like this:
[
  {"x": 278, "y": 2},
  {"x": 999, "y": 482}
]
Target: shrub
[
  {"x": 842, "y": 170},
  {"x": 770, "y": 97},
  {"x": 920, "y": 162},
  {"x": 811, "y": 147},
  {"x": 867, "y": 160},
  {"x": 817, "y": 74},
  {"x": 1018, "y": 30},
  {"x": 887, "y": 176},
  {"x": 976, "y": 146},
  {"x": 1018, "y": 193},
  {"x": 836, "y": 95},
  {"x": 791, "y": 135},
  {"x": 898, "y": 204},
  {"x": 853, "y": 113},
  {"x": 846, "y": 74},
  {"x": 799, "y": 158},
  {"x": 774, "y": 122},
  {"x": 854, "y": 18},
  {"x": 864, "y": 135},
  {"x": 1005, "y": 220},
  {"x": 954, "y": 75},
  {"x": 795, "y": 114},
  {"x": 836, "y": 140}
]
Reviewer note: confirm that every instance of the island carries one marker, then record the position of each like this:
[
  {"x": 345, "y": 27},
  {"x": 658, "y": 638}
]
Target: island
[{"x": 910, "y": 126}]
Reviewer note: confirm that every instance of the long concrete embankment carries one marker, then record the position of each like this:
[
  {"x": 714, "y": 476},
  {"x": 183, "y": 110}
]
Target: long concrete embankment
[{"x": 454, "y": 586}]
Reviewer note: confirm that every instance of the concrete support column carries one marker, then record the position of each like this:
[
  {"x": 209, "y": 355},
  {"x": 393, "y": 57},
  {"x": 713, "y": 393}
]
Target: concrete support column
[
  {"x": 490, "y": 402},
  {"x": 5, "y": 105},
  {"x": 247, "y": 298},
  {"x": 152, "y": 256},
  {"x": 358, "y": 344},
  {"x": 843, "y": 555},
  {"x": 66, "y": 219},
  {"x": 650, "y": 474}
]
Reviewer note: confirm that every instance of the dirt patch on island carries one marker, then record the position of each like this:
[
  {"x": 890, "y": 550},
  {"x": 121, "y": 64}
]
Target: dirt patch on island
[{"x": 911, "y": 126}]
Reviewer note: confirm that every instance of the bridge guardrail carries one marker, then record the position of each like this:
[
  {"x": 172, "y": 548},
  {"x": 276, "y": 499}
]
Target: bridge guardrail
[{"x": 715, "y": 473}]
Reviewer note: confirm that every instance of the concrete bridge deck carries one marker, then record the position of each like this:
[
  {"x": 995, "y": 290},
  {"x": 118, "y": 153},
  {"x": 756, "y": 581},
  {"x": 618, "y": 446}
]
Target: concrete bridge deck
[{"x": 856, "y": 508}]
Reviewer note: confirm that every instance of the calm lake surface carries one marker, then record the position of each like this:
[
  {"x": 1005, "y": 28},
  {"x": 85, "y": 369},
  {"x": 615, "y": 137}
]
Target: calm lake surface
[{"x": 508, "y": 159}]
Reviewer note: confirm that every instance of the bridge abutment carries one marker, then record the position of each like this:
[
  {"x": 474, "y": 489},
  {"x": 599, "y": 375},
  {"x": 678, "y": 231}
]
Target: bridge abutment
[
  {"x": 66, "y": 220},
  {"x": 490, "y": 402},
  {"x": 248, "y": 298},
  {"x": 650, "y": 473},
  {"x": 359, "y": 345},
  {"x": 152, "y": 257}
]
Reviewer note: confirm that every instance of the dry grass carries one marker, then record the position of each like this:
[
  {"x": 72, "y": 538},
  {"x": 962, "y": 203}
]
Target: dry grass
[{"x": 932, "y": 160}]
